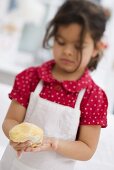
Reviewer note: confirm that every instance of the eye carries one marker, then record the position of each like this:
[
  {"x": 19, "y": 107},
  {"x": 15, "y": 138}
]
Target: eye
[
  {"x": 77, "y": 47},
  {"x": 60, "y": 42},
  {"x": 83, "y": 47}
]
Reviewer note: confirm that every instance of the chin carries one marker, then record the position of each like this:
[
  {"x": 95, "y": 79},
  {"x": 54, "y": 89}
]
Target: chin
[{"x": 69, "y": 69}]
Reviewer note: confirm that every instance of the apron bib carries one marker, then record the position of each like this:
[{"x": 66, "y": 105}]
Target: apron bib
[{"x": 57, "y": 121}]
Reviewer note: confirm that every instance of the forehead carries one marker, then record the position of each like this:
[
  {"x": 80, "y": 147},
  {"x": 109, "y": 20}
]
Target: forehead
[{"x": 71, "y": 33}]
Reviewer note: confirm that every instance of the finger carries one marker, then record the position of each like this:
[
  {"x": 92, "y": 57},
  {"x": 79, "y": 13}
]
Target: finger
[
  {"x": 43, "y": 147},
  {"x": 24, "y": 144},
  {"x": 28, "y": 149},
  {"x": 15, "y": 146},
  {"x": 13, "y": 143},
  {"x": 31, "y": 149},
  {"x": 19, "y": 153},
  {"x": 21, "y": 146}
]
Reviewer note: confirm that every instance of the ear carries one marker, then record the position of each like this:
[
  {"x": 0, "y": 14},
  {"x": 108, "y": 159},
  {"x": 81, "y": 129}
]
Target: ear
[{"x": 99, "y": 47}]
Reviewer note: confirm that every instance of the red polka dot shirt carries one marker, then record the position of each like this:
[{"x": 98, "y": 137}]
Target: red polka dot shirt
[{"x": 93, "y": 105}]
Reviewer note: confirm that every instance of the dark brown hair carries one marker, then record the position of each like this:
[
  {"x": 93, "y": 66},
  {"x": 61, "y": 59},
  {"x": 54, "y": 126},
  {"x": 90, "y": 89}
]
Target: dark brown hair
[{"x": 90, "y": 16}]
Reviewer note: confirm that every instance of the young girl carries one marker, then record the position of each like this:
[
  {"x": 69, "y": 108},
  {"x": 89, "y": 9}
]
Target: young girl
[{"x": 60, "y": 95}]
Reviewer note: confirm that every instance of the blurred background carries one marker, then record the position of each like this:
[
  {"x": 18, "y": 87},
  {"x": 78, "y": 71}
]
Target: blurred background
[{"x": 22, "y": 27}]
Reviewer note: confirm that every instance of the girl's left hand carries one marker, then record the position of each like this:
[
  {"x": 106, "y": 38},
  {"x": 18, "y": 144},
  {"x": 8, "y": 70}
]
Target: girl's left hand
[{"x": 48, "y": 144}]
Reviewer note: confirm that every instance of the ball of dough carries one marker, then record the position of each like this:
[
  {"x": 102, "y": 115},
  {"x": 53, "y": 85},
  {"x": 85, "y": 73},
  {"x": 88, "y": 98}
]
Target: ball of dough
[{"x": 26, "y": 131}]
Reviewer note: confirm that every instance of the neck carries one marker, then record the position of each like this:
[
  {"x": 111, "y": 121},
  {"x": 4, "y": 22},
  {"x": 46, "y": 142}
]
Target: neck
[{"x": 61, "y": 75}]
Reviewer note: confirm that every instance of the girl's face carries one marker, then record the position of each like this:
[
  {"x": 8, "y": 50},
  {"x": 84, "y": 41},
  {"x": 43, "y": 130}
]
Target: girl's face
[{"x": 66, "y": 49}]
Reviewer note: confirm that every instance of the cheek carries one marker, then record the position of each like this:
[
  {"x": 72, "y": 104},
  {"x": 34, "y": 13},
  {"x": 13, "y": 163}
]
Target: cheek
[
  {"x": 86, "y": 56},
  {"x": 88, "y": 53},
  {"x": 56, "y": 51}
]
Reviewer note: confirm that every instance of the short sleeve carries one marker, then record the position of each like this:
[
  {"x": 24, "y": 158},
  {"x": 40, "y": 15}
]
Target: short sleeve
[
  {"x": 25, "y": 83},
  {"x": 94, "y": 108}
]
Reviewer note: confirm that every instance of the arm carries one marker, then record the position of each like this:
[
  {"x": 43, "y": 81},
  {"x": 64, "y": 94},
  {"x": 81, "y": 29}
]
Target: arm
[
  {"x": 88, "y": 137},
  {"x": 14, "y": 116},
  {"x": 82, "y": 149}
]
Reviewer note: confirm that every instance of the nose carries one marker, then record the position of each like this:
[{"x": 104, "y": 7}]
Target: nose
[{"x": 69, "y": 50}]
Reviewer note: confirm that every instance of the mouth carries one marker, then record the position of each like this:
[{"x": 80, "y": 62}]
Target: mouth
[{"x": 66, "y": 61}]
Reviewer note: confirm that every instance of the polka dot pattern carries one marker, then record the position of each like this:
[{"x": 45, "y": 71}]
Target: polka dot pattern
[{"x": 93, "y": 105}]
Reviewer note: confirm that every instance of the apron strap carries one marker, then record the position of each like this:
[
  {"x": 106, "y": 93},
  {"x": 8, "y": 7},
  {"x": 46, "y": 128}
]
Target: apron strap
[
  {"x": 39, "y": 87},
  {"x": 78, "y": 111},
  {"x": 79, "y": 99}
]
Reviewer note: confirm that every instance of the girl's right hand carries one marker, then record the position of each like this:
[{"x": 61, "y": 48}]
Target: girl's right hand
[{"x": 20, "y": 147}]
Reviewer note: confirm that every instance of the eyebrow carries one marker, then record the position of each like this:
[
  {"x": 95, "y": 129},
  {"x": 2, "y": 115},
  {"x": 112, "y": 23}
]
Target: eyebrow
[{"x": 60, "y": 36}]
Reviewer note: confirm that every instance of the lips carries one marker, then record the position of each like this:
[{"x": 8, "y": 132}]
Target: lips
[{"x": 66, "y": 61}]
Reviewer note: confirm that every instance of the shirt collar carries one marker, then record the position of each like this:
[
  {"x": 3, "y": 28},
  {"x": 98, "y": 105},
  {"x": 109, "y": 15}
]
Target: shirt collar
[{"x": 45, "y": 73}]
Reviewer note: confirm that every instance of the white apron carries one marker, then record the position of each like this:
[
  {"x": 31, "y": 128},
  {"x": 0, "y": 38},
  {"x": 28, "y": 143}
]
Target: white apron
[{"x": 57, "y": 121}]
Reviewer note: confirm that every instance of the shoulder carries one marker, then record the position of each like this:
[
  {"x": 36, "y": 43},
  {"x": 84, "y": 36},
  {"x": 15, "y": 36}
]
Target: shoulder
[
  {"x": 32, "y": 75},
  {"x": 95, "y": 97},
  {"x": 94, "y": 106},
  {"x": 28, "y": 78},
  {"x": 93, "y": 91},
  {"x": 28, "y": 72},
  {"x": 25, "y": 83},
  {"x": 96, "y": 93}
]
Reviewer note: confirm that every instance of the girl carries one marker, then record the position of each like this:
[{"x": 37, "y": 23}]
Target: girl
[{"x": 60, "y": 95}]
